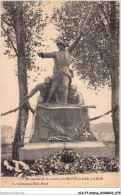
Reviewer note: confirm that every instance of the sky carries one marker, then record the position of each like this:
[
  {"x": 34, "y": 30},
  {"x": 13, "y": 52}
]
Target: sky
[{"x": 9, "y": 84}]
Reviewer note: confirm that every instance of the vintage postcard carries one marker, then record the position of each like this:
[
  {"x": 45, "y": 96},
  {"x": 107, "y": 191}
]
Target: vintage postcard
[{"x": 60, "y": 94}]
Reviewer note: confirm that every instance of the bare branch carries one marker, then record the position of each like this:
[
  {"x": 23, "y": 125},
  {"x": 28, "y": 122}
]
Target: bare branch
[
  {"x": 106, "y": 17},
  {"x": 9, "y": 24},
  {"x": 10, "y": 40},
  {"x": 6, "y": 14},
  {"x": 105, "y": 22}
]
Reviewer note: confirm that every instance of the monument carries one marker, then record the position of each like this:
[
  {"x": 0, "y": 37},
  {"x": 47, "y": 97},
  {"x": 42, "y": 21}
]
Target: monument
[{"x": 61, "y": 118}]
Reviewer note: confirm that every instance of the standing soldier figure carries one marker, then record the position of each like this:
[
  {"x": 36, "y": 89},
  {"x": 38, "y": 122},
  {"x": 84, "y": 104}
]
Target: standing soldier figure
[{"x": 61, "y": 75}]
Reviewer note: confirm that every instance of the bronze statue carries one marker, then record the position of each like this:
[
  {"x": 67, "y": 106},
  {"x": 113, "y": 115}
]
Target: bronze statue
[
  {"x": 43, "y": 88},
  {"x": 75, "y": 97},
  {"x": 61, "y": 75}
]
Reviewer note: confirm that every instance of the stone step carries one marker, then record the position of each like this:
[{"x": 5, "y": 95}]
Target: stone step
[{"x": 34, "y": 151}]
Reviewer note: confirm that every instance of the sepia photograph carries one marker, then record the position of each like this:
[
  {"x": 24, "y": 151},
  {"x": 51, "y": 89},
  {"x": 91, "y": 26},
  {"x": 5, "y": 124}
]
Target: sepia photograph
[{"x": 60, "y": 94}]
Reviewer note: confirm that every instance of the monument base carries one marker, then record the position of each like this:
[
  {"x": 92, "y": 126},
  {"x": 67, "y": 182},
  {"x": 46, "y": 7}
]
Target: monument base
[
  {"x": 34, "y": 151},
  {"x": 69, "y": 121}
]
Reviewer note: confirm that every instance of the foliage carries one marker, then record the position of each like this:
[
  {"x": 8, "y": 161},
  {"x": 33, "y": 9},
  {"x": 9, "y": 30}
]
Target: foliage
[
  {"x": 98, "y": 49},
  {"x": 63, "y": 162},
  {"x": 34, "y": 23},
  {"x": 21, "y": 27},
  {"x": 15, "y": 168},
  {"x": 96, "y": 58}
]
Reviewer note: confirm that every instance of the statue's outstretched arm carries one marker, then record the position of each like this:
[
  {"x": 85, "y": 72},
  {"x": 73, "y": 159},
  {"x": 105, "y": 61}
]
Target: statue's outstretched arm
[
  {"x": 33, "y": 91},
  {"x": 74, "y": 44},
  {"x": 47, "y": 55}
]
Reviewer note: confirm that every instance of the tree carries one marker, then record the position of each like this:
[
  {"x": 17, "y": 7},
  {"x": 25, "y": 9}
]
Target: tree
[
  {"x": 19, "y": 21},
  {"x": 96, "y": 57}
]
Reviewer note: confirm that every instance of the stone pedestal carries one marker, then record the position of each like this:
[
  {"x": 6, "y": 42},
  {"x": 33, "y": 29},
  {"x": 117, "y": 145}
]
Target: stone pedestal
[
  {"x": 36, "y": 151},
  {"x": 71, "y": 123},
  {"x": 68, "y": 121}
]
